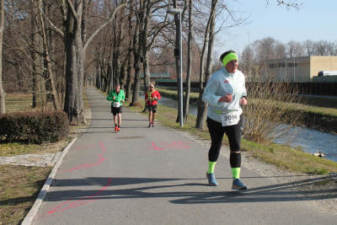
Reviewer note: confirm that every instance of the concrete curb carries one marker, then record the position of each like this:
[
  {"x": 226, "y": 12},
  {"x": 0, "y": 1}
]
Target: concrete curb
[{"x": 43, "y": 192}]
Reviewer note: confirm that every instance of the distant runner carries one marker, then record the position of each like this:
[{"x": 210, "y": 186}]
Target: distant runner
[
  {"x": 151, "y": 98},
  {"x": 225, "y": 92},
  {"x": 117, "y": 97}
]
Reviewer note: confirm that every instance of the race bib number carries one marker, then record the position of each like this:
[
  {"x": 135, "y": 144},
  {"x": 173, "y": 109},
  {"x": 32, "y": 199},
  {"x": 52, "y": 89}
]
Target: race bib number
[
  {"x": 116, "y": 104},
  {"x": 229, "y": 119}
]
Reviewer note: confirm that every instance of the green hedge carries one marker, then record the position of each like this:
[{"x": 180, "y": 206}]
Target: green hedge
[{"x": 33, "y": 127}]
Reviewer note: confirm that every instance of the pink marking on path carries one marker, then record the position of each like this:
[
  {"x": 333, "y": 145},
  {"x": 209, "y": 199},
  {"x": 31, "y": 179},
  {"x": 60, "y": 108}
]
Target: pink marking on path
[
  {"x": 99, "y": 161},
  {"x": 172, "y": 145},
  {"x": 178, "y": 145},
  {"x": 156, "y": 148},
  {"x": 102, "y": 147},
  {"x": 76, "y": 203}
]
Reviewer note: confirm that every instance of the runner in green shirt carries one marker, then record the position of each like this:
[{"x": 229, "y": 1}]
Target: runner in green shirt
[{"x": 117, "y": 97}]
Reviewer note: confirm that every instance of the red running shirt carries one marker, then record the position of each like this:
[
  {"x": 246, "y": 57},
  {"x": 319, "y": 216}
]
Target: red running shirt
[{"x": 153, "y": 99}]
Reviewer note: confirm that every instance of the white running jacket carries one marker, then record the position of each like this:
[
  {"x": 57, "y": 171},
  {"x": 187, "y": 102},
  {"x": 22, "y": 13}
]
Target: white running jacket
[{"x": 220, "y": 84}]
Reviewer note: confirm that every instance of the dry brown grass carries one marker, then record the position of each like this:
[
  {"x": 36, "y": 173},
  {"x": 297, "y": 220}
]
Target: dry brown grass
[
  {"x": 267, "y": 109},
  {"x": 19, "y": 186},
  {"x": 22, "y": 102},
  {"x": 12, "y": 149}
]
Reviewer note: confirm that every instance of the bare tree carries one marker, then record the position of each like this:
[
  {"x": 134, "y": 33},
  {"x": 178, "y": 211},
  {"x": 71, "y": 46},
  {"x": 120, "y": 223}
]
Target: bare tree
[
  {"x": 265, "y": 49},
  {"x": 322, "y": 48},
  {"x": 136, "y": 50},
  {"x": 144, "y": 42},
  {"x": 247, "y": 62},
  {"x": 294, "y": 49},
  {"x": 38, "y": 83},
  {"x": 147, "y": 30},
  {"x": 208, "y": 44},
  {"x": 154, "y": 23},
  {"x": 309, "y": 49},
  {"x": 2, "y": 28},
  {"x": 129, "y": 52},
  {"x": 75, "y": 48},
  {"x": 288, "y": 3},
  {"x": 56, "y": 103},
  {"x": 280, "y": 50},
  {"x": 117, "y": 33}
]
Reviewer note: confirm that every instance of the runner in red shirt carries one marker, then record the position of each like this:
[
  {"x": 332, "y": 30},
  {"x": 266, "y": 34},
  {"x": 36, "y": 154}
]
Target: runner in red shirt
[{"x": 151, "y": 100}]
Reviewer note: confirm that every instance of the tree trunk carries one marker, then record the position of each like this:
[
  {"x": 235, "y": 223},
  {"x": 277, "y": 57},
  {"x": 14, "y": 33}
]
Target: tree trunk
[
  {"x": 123, "y": 74},
  {"x": 128, "y": 70},
  {"x": 201, "y": 104},
  {"x": 110, "y": 78},
  {"x": 33, "y": 52},
  {"x": 116, "y": 52},
  {"x": 189, "y": 62},
  {"x": 147, "y": 74},
  {"x": 202, "y": 107},
  {"x": 48, "y": 61},
  {"x": 81, "y": 55},
  {"x": 2, "y": 28},
  {"x": 128, "y": 77},
  {"x": 75, "y": 52},
  {"x": 143, "y": 42},
  {"x": 71, "y": 104},
  {"x": 38, "y": 97},
  {"x": 177, "y": 56},
  {"x": 136, "y": 63},
  {"x": 135, "y": 94}
]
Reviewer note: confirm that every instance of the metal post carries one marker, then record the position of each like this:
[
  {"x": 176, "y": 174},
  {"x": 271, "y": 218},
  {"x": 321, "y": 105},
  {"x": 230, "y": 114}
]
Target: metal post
[
  {"x": 180, "y": 79},
  {"x": 180, "y": 72},
  {"x": 294, "y": 69}
]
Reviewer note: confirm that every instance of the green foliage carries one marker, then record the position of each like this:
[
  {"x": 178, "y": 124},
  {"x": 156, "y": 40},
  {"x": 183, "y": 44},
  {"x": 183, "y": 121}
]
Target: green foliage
[{"x": 33, "y": 127}]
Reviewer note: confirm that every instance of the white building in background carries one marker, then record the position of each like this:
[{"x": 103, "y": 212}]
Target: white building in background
[{"x": 298, "y": 69}]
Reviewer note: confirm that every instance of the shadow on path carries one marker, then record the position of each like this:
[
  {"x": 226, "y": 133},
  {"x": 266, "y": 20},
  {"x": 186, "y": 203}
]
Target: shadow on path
[{"x": 270, "y": 193}]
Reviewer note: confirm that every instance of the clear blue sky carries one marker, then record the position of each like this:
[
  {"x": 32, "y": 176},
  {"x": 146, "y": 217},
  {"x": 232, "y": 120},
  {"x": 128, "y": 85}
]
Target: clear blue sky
[{"x": 315, "y": 20}]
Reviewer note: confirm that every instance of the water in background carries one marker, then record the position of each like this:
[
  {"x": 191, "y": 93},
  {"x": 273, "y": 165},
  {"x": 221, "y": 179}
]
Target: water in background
[{"x": 308, "y": 140}]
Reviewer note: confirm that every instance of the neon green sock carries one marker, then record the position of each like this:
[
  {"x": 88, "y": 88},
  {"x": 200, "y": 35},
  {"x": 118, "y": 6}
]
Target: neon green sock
[
  {"x": 211, "y": 166},
  {"x": 236, "y": 172}
]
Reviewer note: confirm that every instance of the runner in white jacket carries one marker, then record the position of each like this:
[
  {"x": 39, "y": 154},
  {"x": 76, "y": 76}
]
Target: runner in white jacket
[{"x": 225, "y": 92}]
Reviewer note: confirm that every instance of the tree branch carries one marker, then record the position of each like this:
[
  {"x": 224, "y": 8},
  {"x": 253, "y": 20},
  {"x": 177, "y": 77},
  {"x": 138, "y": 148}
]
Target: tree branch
[
  {"x": 72, "y": 9},
  {"x": 55, "y": 28},
  {"x": 103, "y": 25}
]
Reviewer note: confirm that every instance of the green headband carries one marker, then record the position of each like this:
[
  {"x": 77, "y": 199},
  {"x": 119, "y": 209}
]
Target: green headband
[{"x": 229, "y": 57}]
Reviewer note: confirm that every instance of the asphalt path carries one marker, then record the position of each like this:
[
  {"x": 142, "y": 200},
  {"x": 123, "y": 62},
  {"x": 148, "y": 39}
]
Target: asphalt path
[{"x": 156, "y": 176}]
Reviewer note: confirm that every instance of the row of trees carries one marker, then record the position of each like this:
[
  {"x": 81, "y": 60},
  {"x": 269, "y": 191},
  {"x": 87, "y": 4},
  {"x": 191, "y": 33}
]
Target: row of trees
[
  {"x": 45, "y": 45},
  {"x": 52, "y": 48},
  {"x": 255, "y": 54}
]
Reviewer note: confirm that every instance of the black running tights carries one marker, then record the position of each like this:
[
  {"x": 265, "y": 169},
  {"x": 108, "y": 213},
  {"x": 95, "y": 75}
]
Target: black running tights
[{"x": 233, "y": 133}]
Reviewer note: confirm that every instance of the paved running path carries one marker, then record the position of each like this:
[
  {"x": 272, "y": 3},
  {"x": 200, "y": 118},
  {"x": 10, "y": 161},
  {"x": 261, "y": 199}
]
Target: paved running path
[{"x": 156, "y": 176}]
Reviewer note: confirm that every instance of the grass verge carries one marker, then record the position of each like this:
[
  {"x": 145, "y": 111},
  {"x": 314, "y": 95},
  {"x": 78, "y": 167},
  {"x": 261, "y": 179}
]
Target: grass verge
[
  {"x": 12, "y": 149},
  {"x": 19, "y": 186},
  {"x": 281, "y": 156},
  {"x": 18, "y": 102}
]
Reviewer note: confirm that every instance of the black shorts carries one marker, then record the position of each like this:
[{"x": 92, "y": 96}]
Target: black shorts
[
  {"x": 152, "y": 108},
  {"x": 115, "y": 110}
]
